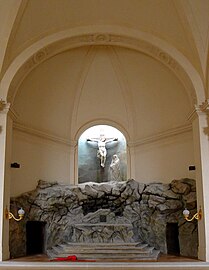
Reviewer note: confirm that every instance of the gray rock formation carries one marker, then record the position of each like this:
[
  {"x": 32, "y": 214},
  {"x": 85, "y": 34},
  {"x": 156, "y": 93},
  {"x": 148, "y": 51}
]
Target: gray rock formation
[{"x": 92, "y": 212}]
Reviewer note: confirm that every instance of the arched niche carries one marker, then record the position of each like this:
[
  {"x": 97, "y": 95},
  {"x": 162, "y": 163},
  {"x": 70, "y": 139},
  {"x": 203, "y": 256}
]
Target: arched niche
[{"x": 90, "y": 167}]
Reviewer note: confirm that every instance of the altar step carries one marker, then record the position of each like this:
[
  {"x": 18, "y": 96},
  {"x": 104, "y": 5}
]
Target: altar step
[{"x": 105, "y": 251}]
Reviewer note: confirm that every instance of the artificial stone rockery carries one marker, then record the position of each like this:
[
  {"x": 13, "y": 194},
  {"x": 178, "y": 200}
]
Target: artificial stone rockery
[{"x": 146, "y": 208}]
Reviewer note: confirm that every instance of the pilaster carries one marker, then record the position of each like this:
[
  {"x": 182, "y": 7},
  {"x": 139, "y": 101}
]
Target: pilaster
[
  {"x": 200, "y": 123},
  {"x": 5, "y": 160},
  {"x": 131, "y": 172},
  {"x": 74, "y": 163}
]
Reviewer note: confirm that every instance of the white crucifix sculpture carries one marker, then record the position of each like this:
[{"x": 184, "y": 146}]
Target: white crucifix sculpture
[{"x": 101, "y": 143}]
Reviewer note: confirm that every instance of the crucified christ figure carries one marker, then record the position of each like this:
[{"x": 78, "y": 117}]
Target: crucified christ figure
[{"x": 102, "y": 151}]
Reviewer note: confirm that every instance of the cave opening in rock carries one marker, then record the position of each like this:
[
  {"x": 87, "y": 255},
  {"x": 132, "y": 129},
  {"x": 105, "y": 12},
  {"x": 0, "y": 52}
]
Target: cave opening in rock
[
  {"x": 172, "y": 238},
  {"x": 35, "y": 237}
]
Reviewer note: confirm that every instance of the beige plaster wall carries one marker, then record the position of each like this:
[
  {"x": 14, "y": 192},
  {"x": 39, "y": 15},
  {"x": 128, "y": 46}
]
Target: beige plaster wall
[
  {"x": 92, "y": 84},
  {"x": 39, "y": 159},
  {"x": 165, "y": 160},
  {"x": 160, "y": 161}
]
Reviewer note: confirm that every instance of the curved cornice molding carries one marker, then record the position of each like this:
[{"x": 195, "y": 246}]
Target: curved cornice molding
[
  {"x": 42, "y": 134},
  {"x": 72, "y": 143},
  {"x": 162, "y": 136},
  {"x": 102, "y": 35}
]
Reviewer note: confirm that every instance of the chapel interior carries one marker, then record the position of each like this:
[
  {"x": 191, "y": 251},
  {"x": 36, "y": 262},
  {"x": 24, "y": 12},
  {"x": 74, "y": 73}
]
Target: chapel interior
[{"x": 104, "y": 132}]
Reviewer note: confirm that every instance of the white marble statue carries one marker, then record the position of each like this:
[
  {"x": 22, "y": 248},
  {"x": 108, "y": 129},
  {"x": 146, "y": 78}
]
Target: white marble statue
[
  {"x": 102, "y": 151},
  {"x": 115, "y": 174}
]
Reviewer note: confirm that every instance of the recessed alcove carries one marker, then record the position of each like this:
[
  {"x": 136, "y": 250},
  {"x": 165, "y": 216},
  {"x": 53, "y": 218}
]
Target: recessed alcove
[
  {"x": 172, "y": 238},
  {"x": 103, "y": 218},
  {"x": 35, "y": 237},
  {"x": 90, "y": 168}
]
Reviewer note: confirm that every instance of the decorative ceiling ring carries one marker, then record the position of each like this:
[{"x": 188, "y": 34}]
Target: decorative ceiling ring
[{"x": 35, "y": 55}]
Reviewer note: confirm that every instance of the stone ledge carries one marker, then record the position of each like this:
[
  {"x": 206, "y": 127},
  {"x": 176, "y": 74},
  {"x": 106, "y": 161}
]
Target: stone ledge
[
  {"x": 9, "y": 265},
  {"x": 103, "y": 224}
]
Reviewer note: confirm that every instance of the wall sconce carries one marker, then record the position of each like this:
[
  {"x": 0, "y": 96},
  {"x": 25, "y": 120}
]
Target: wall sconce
[
  {"x": 197, "y": 216},
  {"x": 9, "y": 215}
]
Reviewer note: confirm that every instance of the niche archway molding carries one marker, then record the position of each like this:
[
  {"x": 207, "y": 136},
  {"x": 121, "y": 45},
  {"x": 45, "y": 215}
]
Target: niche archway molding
[{"x": 130, "y": 156}]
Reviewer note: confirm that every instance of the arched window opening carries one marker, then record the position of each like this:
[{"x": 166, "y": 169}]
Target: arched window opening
[{"x": 102, "y": 155}]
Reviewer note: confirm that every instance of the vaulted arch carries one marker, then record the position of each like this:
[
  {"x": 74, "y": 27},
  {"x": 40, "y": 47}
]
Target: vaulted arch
[{"x": 101, "y": 35}]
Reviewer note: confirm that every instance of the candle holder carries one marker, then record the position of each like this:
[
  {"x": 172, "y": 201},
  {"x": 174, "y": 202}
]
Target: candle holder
[
  {"x": 9, "y": 215},
  {"x": 197, "y": 216}
]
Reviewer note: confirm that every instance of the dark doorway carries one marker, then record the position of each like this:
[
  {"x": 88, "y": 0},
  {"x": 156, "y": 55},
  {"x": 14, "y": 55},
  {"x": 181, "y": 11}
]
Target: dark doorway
[
  {"x": 35, "y": 237},
  {"x": 172, "y": 238}
]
